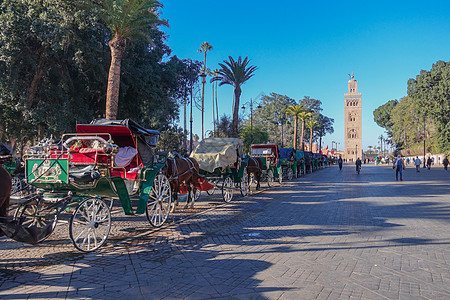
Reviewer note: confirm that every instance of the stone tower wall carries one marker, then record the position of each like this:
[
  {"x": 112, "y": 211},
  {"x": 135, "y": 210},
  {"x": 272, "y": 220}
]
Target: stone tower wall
[{"x": 353, "y": 121}]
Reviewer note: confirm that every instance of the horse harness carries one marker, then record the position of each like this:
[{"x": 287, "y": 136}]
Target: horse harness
[{"x": 175, "y": 168}]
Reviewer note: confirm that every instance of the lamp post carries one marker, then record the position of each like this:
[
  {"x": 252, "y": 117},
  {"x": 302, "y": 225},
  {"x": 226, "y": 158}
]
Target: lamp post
[{"x": 251, "y": 117}]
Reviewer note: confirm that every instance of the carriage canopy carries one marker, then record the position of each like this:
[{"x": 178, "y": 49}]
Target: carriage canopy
[
  {"x": 288, "y": 153},
  {"x": 125, "y": 133},
  {"x": 215, "y": 153}
]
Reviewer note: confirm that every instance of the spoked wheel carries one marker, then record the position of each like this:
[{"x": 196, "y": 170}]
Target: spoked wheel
[
  {"x": 211, "y": 191},
  {"x": 243, "y": 185},
  {"x": 90, "y": 224},
  {"x": 37, "y": 216},
  {"x": 290, "y": 174},
  {"x": 227, "y": 190},
  {"x": 159, "y": 202},
  {"x": 269, "y": 178}
]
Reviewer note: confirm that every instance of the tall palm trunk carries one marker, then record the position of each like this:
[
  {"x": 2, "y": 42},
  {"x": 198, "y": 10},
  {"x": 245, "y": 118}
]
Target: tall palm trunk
[
  {"x": 295, "y": 132},
  {"x": 310, "y": 139},
  {"x": 235, "y": 123},
  {"x": 117, "y": 46},
  {"x": 301, "y": 136}
]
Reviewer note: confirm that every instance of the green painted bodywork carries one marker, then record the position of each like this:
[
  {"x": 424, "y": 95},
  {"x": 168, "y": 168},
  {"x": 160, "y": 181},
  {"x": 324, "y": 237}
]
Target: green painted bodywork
[
  {"x": 10, "y": 166},
  {"x": 104, "y": 186}
]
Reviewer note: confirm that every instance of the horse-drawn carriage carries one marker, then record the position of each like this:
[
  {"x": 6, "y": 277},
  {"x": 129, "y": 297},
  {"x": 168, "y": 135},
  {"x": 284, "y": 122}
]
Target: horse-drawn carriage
[
  {"x": 222, "y": 164},
  {"x": 79, "y": 177},
  {"x": 300, "y": 160},
  {"x": 270, "y": 157},
  {"x": 288, "y": 162}
]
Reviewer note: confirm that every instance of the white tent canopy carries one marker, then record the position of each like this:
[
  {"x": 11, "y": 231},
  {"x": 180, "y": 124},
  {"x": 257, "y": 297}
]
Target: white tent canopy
[{"x": 215, "y": 153}]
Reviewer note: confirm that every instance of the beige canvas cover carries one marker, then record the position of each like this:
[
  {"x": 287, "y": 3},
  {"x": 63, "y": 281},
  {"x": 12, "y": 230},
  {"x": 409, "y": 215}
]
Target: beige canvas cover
[{"x": 215, "y": 153}]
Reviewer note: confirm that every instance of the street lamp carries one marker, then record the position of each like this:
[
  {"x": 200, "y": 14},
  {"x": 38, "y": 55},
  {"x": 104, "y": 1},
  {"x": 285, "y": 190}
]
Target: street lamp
[{"x": 251, "y": 117}]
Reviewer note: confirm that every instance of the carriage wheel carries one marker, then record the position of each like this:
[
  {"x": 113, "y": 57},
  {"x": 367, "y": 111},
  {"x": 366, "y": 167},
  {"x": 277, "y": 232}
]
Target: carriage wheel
[
  {"x": 227, "y": 190},
  {"x": 159, "y": 202},
  {"x": 290, "y": 174},
  {"x": 244, "y": 183},
  {"x": 35, "y": 215},
  {"x": 90, "y": 224},
  {"x": 269, "y": 178}
]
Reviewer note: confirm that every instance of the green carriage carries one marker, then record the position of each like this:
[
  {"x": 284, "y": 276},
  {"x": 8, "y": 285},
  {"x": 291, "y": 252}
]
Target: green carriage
[
  {"x": 300, "y": 160},
  {"x": 79, "y": 178},
  {"x": 270, "y": 156},
  {"x": 288, "y": 162},
  {"x": 223, "y": 165}
]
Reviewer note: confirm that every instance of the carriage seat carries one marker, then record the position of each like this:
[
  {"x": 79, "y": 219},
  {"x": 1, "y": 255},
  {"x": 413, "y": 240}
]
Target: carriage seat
[
  {"x": 89, "y": 156},
  {"x": 125, "y": 156}
]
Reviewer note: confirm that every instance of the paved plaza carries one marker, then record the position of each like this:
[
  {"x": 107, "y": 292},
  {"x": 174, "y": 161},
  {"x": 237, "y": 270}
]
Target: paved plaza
[{"x": 327, "y": 235}]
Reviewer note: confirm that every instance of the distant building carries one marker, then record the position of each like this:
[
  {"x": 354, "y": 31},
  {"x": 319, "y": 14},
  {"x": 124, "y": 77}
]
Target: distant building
[{"x": 353, "y": 121}]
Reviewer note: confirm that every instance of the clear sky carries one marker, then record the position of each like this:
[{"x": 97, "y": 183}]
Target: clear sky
[{"x": 308, "y": 48}]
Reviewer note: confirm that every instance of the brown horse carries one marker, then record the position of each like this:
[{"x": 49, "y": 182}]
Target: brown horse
[
  {"x": 5, "y": 193},
  {"x": 183, "y": 175},
  {"x": 255, "y": 167}
]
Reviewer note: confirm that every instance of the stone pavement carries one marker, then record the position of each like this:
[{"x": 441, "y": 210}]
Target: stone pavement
[{"x": 328, "y": 235}]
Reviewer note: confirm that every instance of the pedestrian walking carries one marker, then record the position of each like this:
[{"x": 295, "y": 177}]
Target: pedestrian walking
[
  {"x": 340, "y": 162},
  {"x": 417, "y": 163},
  {"x": 399, "y": 166},
  {"x": 358, "y": 165},
  {"x": 429, "y": 161},
  {"x": 445, "y": 163}
]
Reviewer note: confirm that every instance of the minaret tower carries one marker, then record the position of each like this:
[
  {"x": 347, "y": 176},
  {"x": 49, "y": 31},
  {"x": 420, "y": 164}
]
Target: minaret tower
[{"x": 353, "y": 122}]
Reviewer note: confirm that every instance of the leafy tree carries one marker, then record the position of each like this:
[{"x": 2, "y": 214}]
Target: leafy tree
[
  {"x": 171, "y": 139},
  {"x": 431, "y": 90},
  {"x": 295, "y": 110},
  {"x": 382, "y": 115},
  {"x": 311, "y": 104},
  {"x": 235, "y": 73},
  {"x": 303, "y": 116},
  {"x": 260, "y": 136},
  {"x": 271, "y": 116},
  {"x": 127, "y": 19},
  {"x": 224, "y": 127},
  {"x": 324, "y": 126},
  {"x": 311, "y": 123}
]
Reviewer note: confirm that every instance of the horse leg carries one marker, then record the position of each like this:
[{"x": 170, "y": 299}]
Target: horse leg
[
  {"x": 194, "y": 190},
  {"x": 188, "y": 199},
  {"x": 258, "y": 175}
]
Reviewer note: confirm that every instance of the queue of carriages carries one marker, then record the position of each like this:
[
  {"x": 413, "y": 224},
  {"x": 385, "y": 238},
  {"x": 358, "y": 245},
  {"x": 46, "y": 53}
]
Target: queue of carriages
[{"x": 80, "y": 176}]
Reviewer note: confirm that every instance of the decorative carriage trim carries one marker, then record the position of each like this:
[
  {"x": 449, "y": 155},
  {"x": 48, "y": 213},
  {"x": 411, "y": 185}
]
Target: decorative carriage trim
[{"x": 47, "y": 170}]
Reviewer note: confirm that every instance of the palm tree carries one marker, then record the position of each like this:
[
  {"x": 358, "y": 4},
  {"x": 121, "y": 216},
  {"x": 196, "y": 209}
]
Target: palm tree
[
  {"x": 295, "y": 110},
  {"x": 204, "y": 48},
  {"x": 303, "y": 116},
  {"x": 127, "y": 19},
  {"x": 235, "y": 73},
  {"x": 370, "y": 149},
  {"x": 311, "y": 124}
]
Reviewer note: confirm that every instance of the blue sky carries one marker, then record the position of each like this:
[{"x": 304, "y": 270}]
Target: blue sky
[{"x": 308, "y": 48}]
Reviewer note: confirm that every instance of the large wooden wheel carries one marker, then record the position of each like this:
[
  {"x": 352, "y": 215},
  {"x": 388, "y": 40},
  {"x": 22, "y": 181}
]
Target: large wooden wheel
[
  {"x": 90, "y": 224},
  {"x": 37, "y": 215},
  {"x": 269, "y": 178},
  {"x": 159, "y": 202},
  {"x": 227, "y": 189},
  {"x": 243, "y": 185}
]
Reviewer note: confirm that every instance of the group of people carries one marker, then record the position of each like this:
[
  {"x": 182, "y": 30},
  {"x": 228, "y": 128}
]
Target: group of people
[{"x": 399, "y": 165}]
